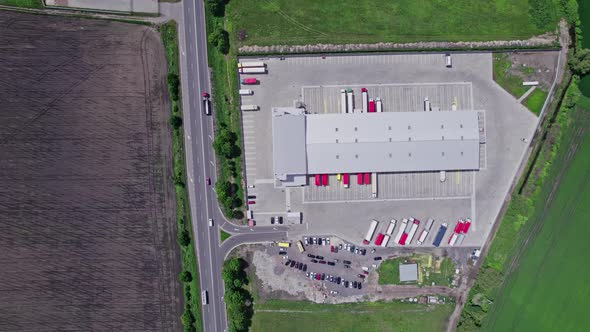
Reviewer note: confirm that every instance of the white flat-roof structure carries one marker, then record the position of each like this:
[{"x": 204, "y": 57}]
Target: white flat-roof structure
[
  {"x": 408, "y": 272},
  {"x": 374, "y": 142}
]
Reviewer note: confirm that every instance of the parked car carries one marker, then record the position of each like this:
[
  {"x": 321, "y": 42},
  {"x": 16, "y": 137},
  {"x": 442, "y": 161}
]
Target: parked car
[
  {"x": 340, "y": 246},
  {"x": 292, "y": 264},
  {"x": 322, "y": 262},
  {"x": 378, "y": 258},
  {"x": 208, "y": 181},
  {"x": 306, "y": 240},
  {"x": 288, "y": 262},
  {"x": 319, "y": 241},
  {"x": 331, "y": 263},
  {"x": 311, "y": 255},
  {"x": 359, "y": 286},
  {"x": 319, "y": 257},
  {"x": 347, "y": 266},
  {"x": 282, "y": 252},
  {"x": 346, "y": 262},
  {"x": 280, "y": 220},
  {"x": 251, "y": 202},
  {"x": 331, "y": 248},
  {"x": 272, "y": 220},
  {"x": 363, "y": 252},
  {"x": 251, "y": 196},
  {"x": 314, "y": 260},
  {"x": 304, "y": 267},
  {"x": 315, "y": 240},
  {"x": 362, "y": 276}
]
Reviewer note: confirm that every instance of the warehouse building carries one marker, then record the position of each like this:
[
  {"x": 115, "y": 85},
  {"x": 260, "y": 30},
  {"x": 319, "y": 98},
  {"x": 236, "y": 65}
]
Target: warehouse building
[{"x": 306, "y": 144}]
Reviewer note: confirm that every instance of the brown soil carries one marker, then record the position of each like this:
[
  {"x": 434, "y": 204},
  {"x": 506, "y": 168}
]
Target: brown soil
[
  {"x": 87, "y": 212},
  {"x": 535, "y": 66}
]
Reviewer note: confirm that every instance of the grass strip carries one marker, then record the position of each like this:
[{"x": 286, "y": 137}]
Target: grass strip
[
  {"x": 534, "y": 102},
  {"x": 224, "y": 235},
  {"x": 192, "y": 319},
  {"x": 23, "y": 3}
]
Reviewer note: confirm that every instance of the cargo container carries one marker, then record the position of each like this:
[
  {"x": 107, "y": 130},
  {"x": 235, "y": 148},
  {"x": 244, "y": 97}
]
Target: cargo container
[
  {"x": 249, "y": 81},
  {"x": 439, "y": 236},
  {"x": 409, "y": 225},
  {"x": 249, "y": 107},
  {"x": 459, "y": 226},
  {"x": 391, "y": 227},
  {"x": 346, "y": 180},
  {"x": 374, "y": 185},
  {"x": 367, "y": 178},
  {"x": 245, "y": 92},
  {"x": 385, "y": 241},
  {"x": 318, "y": 180},
  {"x": 343, "y": 101},
  {"x": 403, "y": 239},
  {"x": 359, "y": 178},
  {"x": 371, "y": 232},
  {"x": 349, "y": 99},
  {"x": 466, "y": 226},
  {"x": 365, "y": 95},
  {"x": 425, "y": 231},
  {"x": 413, "y": 230},
  {"x": 379, "y": 105},
  {"x": 325, "y": 179},
  {"x": 249, "y": 214},
  {"x": 379, "y": 239},
  {"x": 426, "y": 104},
  {"x": 402, "y": 227},
  {"x": 252, "y": 70},
  {"x": 429, "y": 224},
  {"x": 460, "y": 239},
  {"x": 371, "y": 106},
  {"x": 249, "y": 64},
  {"x": 453, "y": 239}
]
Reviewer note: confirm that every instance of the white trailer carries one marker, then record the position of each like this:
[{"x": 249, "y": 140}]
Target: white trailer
[
  {"x": 379, "y": 105},
  {"x": 402, "y": 228},
  {"x": 350, "y": 99},
  {"x": 249, "y": 107},
  {"x": 365, "y": 94},
  {"x": 370, "y": 232},
  {"x": 391, "y": 227},
  {"x": 252, "y": 70},
  {"x": 249, "y": 64},
  {"x": 453, "y": 239},
  {"x": 343, "y": 101},
  {"x": 460, "y": 239},
  {"x": 245, "y": 92},
  {"x": 426, "y": 104},
  {"x": 385, "y": 241},
  {"x": 425, "y": 231},
  {"x": 412, "y": 231},
  {"x": 374, "y": 185}
]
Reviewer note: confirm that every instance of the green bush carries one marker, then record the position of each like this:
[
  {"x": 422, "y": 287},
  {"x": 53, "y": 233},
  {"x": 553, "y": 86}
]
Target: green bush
[
  {"x": 225, "y": 143},
  {"x": 175, "y": 121},
  {"x": 542, "y": 12},
  {"x": 220, "y": 39},
  {"x": 237, "y": 299},
  {"x": 184, "y": 238},
  {"x": 186, "y": 276},
  {"x": 580, "y": 62},
  {"x": 173, "y": 86}
]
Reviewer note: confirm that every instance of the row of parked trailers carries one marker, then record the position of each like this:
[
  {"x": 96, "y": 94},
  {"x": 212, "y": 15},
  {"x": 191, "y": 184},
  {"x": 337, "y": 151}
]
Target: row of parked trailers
[
  {"x": 250, "y": 67},
  {"x": 362, "y": 178},
  {"x": 369, "y": 105},
  {"x": 408, "y": 229}
]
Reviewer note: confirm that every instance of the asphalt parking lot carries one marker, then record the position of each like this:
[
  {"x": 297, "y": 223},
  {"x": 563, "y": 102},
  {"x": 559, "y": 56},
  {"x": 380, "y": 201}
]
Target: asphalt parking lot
[{"x": 402, "y": 81}]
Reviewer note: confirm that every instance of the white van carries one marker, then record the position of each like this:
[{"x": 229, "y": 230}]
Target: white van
[
  {"x": 443, "y": 176},
  {"x": 249, "y": 108},
  {"x": 245, "y": 92},
  {"x": 448, "y": 60}
]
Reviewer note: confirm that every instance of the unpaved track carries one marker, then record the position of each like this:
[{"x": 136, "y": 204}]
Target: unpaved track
[{"x": 87, "y": 228}]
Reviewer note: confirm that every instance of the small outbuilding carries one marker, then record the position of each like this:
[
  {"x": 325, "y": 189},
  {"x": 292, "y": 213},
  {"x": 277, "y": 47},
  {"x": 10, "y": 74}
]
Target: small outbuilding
[{"x": 408, "y": 272}]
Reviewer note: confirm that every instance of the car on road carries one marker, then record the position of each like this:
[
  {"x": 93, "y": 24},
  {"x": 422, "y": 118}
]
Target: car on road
[
  {"x": 208, "y": 180},
  {"x": 210, "y": 222},
  {"x": 378, "y": 258},
  {"x": 206, "y": 103}
]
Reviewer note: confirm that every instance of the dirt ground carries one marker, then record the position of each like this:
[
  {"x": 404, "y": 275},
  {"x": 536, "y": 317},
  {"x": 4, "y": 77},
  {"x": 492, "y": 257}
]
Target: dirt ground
[
  {"x": 535, "y": 66},
  {"x": 87, "y": 227}
]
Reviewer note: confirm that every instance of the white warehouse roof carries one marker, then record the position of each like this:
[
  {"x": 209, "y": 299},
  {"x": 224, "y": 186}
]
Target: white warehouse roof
[
  {"x": 392, "y": 142},
  {"x": 288, "y": 132}
]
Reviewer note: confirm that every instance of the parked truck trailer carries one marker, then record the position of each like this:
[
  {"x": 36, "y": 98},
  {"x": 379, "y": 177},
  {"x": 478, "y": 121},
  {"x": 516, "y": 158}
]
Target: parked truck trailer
[
  {"x": 385, "y": 241},
  {"x": 365, "y": 95},
  {"x": 349, "y": 99},
  {"x": 391, "y": 227},
  {"x": 252, "y": 70},
  {"x": 343, "y": 101},
  {"x": 425, "y": 231},
  {"x": 439, "y": 236},
  {"x": 453, "y": 239},
  {"x": 379, "y": 105},
  {"x": 370, "y": 232},
  {"x": 379, "y": 239},
  {"x": 374, "y": 185},
  {"x": 402, "y": 228},
  {"x": 413, "y": 230},
  {"x": 249, "y": 64}
]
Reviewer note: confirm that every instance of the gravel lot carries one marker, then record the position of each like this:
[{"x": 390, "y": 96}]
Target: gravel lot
[{"x": 87, "y": 229}]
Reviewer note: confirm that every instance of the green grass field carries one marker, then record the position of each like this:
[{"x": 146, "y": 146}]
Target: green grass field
[
  {"x": 549, "y": 290},
  {"x": 271, "y": 22},
  {"x": 502, "y": 76},
  {"x": 429, "y": 270},
  {"x": 23, "y": 3},
  {"x": 287, "y": 316},
  {"x": 535, "y": 101}
]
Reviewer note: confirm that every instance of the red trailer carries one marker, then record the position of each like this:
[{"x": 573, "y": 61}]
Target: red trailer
[
  {"x": 466, "y": 226},
  {"x": 249, "y": 81},
  {"x": 403, "y": 239},
  {"x": 325, "y": 179},
  {"x": 367, "y": 178},
  {"x": 379, "y": 239},
  {"x": 317, "y": 180},
  {"x": 359, "y": 178},
  {"x": 346, "y": 180},
  {"x": 371, "y": 106}
]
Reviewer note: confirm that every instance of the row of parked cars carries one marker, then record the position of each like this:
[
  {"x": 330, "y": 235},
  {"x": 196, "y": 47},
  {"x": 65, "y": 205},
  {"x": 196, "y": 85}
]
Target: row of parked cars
[
  {"x": 278, "y": 219},
  {"x": 335, "y": 280},
  {"x": 320, "y": 241},
  {"x": 296, "y": 265}
]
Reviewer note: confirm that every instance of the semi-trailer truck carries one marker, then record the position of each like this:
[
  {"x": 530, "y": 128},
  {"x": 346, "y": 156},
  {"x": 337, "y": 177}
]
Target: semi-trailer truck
[
  {"x": 349, "y": 99},
  {"x": 413, "y": 230},
  {"x": 252, "y": 70},
  {"x": 439, "y": 236},
  {"x": 379, "y": 239},
  {"x": 403, "y": 240},
  {"x": 249, "y": 64},
  {"x": 460, "y": 239},
  {"x": 359, "y": 178},
  {"x": 426, "y": 104},
  {"x": 466, "y": 226},
  {"x": 425, "y": 231},
  {"x": 391, "y": 227},
  {"x": 459, "y": 226},
  {"x": 379, "y": 105},
  {"x": 402, "y": 227},
  {"x": 346, "y": 180},
  {"x": 343, "y": 101},
  {"x": 365, "y": 95},
  {"x": 371, "y": 231},
  {"x": 374, "y": 185},
  {"x": 245, "y": 92}
]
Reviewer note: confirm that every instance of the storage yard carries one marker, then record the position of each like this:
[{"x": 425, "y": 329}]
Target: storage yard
[
  {"x": 87, "y": 226},
  {"x": 324, "y": 89}
]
